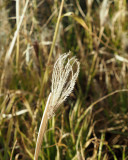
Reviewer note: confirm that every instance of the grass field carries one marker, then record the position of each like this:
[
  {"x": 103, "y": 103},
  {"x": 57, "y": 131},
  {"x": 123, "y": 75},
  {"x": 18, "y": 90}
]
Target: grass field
[{"x": 92, "y": 124}]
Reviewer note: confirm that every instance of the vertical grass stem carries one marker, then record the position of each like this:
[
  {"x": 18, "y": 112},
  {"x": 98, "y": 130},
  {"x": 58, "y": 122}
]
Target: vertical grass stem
[
  {"x": 17, "y": 22},
  {"x": 52, "y": 47},
  {"x": 9, "y": 52},
  {"x": 42, "y": 129}
]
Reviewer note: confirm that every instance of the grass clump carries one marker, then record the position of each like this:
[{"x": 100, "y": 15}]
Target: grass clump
[{"x": 92, "y": 124}]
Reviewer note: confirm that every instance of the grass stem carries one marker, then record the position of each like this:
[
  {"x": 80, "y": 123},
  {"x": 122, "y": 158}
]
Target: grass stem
[
  {"x": 9, "y": 52},
  {"x": 52, "y": 47},
  {"x": 42, "y": 129},
  {"x": 17, "y": 22}
]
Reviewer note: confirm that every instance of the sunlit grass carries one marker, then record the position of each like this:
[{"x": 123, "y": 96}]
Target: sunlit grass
[{"x": 92, "y": 124}]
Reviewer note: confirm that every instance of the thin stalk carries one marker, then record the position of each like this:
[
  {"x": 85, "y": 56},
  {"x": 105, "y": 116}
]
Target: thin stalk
[
  {"x": 42, "y": 129},
  {"x": 89, "y": 23},
  {"x": 17, "y": 22},
  {"x": 24, "y": 25},
  {"x": 101, "y": 146},
  {"x": 123, "y": 155},
  {"x": 100, "y": 34},
  {"x": 92, "y": 71},
  {"x": 52, "y": 47},
  {"x": 56, "y": 31},
  {"x": 9, "y": 52},
  {"x": 114, "y": 156}
]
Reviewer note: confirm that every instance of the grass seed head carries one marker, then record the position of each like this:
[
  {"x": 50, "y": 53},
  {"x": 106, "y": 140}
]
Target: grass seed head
[{"x": 63, "y": 81}]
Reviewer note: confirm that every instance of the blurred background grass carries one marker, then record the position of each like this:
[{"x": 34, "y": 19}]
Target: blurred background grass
[{"x": 93, "y": 123}]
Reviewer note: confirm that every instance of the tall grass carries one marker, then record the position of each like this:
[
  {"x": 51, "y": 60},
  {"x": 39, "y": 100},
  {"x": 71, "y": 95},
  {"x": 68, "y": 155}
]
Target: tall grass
[
  {"x": 92, "y": 123},
  {"x": 63, "y": 81}
]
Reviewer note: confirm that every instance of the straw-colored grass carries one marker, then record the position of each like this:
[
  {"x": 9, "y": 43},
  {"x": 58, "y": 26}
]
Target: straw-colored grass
[
  {"x": 93, "y": 122},
  {"x": 63, "y": 81}
]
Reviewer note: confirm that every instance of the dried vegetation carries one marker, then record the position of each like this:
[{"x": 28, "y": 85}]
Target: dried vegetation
[{"x": 93, "y": 123}]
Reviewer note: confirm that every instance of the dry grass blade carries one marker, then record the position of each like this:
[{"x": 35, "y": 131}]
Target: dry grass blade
[
  {"x": 13, "y": 149},
  {"x": 63, "y": 81},
  {"x": 8, "y": 54},
  {"x": 18, "y": 38},
  {"x": 104, "y": 12},
  {"x": 42, "y": 130},
  {"x": 95, "y": 31},
  {"x": 9, "y": 116}
]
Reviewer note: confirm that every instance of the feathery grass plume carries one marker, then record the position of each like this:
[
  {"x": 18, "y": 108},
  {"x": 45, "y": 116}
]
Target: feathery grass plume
[{"x": 63, "y": 81}]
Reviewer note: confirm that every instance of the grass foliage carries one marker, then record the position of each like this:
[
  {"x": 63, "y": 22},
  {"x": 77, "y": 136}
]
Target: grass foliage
[{"x": 93, "y": 123}]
